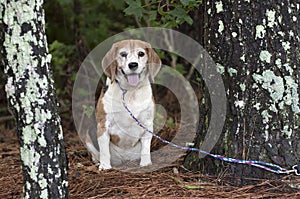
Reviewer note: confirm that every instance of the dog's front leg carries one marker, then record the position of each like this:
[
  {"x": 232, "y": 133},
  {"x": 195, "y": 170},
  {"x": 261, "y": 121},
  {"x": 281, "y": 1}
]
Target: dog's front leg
[
  {"x": 145, "y": 151},
  {"x": 104, "y": 158}
]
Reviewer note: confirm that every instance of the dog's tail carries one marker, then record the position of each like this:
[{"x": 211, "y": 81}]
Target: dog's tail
[{"x": 90, "y": 146}]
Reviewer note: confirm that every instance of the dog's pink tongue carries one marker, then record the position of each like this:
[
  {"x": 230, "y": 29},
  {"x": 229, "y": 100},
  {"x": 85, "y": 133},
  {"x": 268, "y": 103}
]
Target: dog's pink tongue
[{"x": 133, "y": 80}]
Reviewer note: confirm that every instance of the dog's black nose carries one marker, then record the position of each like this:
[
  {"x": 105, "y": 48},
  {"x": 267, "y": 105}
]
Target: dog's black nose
[{"x": 133, "y": 66}]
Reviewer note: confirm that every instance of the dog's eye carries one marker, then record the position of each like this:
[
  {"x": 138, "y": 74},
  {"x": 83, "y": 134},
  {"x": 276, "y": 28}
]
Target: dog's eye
[
  {"x": 141, "y": 54},
  {"x": 123, "y": 54}
]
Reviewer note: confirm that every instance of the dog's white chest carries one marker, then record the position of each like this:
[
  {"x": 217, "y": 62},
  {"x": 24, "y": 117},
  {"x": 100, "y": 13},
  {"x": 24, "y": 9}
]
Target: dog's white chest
[{"x": 119, "y": 123}]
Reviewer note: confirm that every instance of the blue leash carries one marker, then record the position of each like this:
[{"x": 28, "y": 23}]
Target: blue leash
[{"x": 263, "y": 165}]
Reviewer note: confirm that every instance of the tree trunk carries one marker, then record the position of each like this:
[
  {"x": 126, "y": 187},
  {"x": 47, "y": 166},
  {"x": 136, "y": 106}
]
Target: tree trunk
[
  {"x": 255, "y": 45},
  {"x": 32, "y": 97}
]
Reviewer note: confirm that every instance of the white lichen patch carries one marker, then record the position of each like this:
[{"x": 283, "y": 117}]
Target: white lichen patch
[
  {"x": 42, "y": 115},
  {"x": 243, "y": 58},
  {"x": 278, "y": 63},
  {"x": 60, "y": 135},
  {"x": 291, "y": 33},
  {"x": 271, "y": 17},
  {"x": 273, "y": 108},
  {"x": 29, "y": 135},
  {"x": 231, "y": 71},
  {"x": 31, "y": 159},
  {"x": 260, "y": 32},
  {"x": 272, "y": 83},
  {"x": 221, "y": 26},
  {"x": 219, "y": 6},
  {"x": 257, "y": 106},
  {"x": 282, "y": 90},
  {"x": 281, "y": 33},
  {"x": 292, "y": 94},
  {"x": 237, "y": 132},
  {"x": 209, "y": 11},
  {"x": 287, "y": 131},
  {"x": 265, "y": 56},
  {"x": 42, "y": 181},
  {"x": 267, "y": 134},
  {"x": 266, "y": 116},
  {"x": 239, "y": 104},
  {"x": 243, "y": 87},
  {"x": 279, "y": 19},
  {"x": 220, "y": 68},
  {"x": 294, "y": 18},
  {"x": 286, "y": 45},
  {"x": 288, "y": 68},
  {"x": 42, "y": 141},
  {"x": 9, "y": 87},
  {"x": 44, "y": 194}
]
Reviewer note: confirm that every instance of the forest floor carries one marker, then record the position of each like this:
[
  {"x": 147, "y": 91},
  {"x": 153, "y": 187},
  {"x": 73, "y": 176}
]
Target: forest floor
[{"x": 85, "y": 181}]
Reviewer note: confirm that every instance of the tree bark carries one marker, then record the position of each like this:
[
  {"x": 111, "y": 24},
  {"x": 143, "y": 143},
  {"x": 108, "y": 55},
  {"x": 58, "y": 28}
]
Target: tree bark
[
  {"x": 255, "y": 45},
  {"x": 32, "y": 98}
]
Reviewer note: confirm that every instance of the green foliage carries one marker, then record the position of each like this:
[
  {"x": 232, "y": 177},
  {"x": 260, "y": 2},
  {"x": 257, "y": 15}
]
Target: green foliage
[
  {"x": 181, "y": 69},
  {"x": 62, "y": 58},
  {"x": 92, "y": 21},
  {"x": 170, "y": 122},
  {"x": 135, "y": 8},
  {"x": 73, "y": 27},
  {"x": 167, "y": 14},
  {"x": 88, "y": 110},
  {"x": 61, "y": 55}
]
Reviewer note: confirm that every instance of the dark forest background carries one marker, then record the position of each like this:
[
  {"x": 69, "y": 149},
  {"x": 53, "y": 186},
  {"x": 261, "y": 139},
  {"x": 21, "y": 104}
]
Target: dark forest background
[{"x": 75, "y": 27}]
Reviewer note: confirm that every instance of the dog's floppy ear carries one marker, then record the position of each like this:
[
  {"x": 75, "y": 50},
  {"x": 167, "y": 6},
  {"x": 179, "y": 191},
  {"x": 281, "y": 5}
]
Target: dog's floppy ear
[
  {"x": 109, "y": 63},
  {"x": 154, "y": 62}
]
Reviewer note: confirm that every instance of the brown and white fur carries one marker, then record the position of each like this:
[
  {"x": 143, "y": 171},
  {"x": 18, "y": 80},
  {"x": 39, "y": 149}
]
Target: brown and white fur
[{"x": 131, "y": 63}]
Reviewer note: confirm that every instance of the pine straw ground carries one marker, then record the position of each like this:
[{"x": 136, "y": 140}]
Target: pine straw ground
[{"x": 85, "y": 181}]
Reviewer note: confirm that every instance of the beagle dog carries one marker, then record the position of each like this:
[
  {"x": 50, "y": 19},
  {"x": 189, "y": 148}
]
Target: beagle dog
[{"x": 129, "y": 64}]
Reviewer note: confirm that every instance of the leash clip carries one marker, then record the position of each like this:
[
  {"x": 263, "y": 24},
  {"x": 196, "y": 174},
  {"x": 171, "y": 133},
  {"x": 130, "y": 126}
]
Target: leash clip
[
  {"x": 124, "y": 91},
  {"x": 296, "y": 169}
]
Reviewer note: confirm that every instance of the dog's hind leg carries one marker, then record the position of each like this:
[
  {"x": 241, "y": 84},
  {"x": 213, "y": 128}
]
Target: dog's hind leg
[{"x": 91, "y": 148}]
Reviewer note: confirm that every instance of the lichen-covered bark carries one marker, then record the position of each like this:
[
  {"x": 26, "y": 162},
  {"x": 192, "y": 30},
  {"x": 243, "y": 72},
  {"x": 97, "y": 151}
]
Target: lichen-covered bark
[
  {"x": 31, "y": 95},
  {"x": 255, "y": 45}
]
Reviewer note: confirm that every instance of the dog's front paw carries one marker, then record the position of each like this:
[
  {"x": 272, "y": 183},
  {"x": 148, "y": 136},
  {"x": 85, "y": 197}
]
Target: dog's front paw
[
  {"x": 145, "y": 163},
  {"x": 104, "y": 166}
]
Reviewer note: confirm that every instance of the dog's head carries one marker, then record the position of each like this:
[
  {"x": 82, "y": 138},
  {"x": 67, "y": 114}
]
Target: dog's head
[{"x": 130, "y": 62}]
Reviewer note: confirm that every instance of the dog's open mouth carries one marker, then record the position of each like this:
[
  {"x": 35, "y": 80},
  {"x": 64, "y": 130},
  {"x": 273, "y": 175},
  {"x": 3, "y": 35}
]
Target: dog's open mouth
[{"x": 133, "y": 79}]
